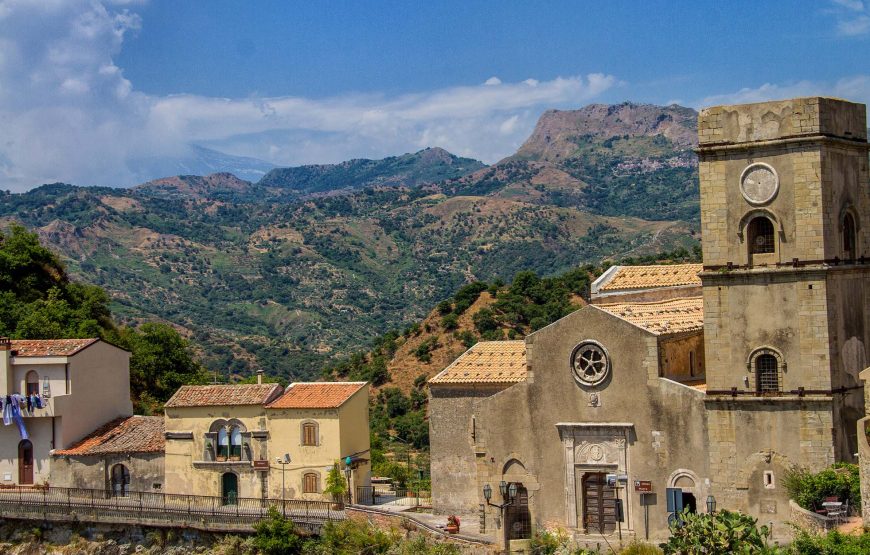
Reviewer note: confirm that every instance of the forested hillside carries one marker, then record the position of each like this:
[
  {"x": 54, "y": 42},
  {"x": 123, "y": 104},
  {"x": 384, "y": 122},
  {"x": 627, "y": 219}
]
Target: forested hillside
[{"x": 297, "y": 270}]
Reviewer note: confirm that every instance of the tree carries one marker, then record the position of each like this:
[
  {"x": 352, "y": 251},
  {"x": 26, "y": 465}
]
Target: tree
[
  {"x": 161, "y": 361},
  {"x": 276, "y": 535},
  {"x": 335, "y": 483}
]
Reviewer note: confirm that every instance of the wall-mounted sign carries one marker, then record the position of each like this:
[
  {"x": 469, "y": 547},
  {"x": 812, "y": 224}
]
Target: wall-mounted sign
[
  {"x": 642, "y": 486},
  {"x": 262, "y": 466}
]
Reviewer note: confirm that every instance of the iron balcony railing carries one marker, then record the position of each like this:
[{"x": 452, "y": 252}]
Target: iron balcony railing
[{"x": 196, "y": 511}]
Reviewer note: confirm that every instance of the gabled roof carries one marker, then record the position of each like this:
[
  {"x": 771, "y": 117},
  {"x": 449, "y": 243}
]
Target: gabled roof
[
  {"x": 50, "y": 347},
  {"x": 662, "y": 317},
  {"x": 223, "y": 395},
  {"x": 316, "y": 395},
  {"x": 487, "y": 362},
  {"x": 132, "y": 434},
  {"x": 650, "y": 277}
]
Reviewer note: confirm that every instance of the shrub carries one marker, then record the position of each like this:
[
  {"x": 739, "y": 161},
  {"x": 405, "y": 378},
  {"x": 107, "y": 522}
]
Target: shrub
[
  {"x": 450, "y": 322},
  {"x": 335, "y": 483},
  {"x": 276, "y": 535},
  {"x": 640, "y": 548},
  {"x": 810, "y": 490},
  {"x": 832, "y": 543},
  {"x": 721, "y": 532}
]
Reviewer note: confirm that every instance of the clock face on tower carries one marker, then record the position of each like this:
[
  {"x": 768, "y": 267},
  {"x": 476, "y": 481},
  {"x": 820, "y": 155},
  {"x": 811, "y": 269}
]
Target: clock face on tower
[{"x": 759, "y": 183}]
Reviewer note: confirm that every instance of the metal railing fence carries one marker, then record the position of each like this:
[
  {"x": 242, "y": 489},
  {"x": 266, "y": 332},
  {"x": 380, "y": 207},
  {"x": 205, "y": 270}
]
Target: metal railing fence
[{"x": 148, "y": 508}]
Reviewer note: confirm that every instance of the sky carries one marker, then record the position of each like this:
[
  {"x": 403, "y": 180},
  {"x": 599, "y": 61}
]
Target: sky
[{"x": 89, "y": 87}]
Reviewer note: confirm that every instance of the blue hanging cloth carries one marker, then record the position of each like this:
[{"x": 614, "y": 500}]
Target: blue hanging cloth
[
  {"x": 16, "y": 415},
  {"x": 7, "y": 411}
]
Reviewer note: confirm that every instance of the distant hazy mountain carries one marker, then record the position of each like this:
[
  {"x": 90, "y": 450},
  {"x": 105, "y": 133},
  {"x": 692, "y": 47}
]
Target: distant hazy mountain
[
  {"x": 200, "y": 161},
  {"x": 311, "y": 262},
  {"x": 426, "y": 166}
]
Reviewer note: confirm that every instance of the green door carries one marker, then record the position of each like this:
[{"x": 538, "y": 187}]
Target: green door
[{"x": 230, "y": 489}]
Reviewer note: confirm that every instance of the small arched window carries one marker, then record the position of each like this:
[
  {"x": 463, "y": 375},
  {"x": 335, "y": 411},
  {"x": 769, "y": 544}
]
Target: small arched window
[
  {"x": 849, "y": 246},
  {"x": 235, "y": 442},
  {"x": 309, "y": 483},
  {"x": 767, "y": 373},
  {"x": 32, "y": 383},
  {"x": 309, "y": 433},
  {"x": 761, "y": 236}
]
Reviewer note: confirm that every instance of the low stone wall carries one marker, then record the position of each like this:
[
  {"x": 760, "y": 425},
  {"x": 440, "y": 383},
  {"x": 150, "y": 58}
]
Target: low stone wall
[{"x": 809, "y": 520}]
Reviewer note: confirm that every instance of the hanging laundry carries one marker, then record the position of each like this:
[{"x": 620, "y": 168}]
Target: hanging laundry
[
  {"x": 37, "y": 401},
  {"x": 16, "y": 415},
  {"x": 7, "y": 411}
]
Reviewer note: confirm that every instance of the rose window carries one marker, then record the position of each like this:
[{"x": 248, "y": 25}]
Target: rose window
[{"x": 590, "y": 363}]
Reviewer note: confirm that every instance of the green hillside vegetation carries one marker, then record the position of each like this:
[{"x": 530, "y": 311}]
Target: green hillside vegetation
[{"x": 38, "y": 300}]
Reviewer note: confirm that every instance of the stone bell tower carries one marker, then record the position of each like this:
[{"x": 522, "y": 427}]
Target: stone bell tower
[{"x": 785, "y": 220}]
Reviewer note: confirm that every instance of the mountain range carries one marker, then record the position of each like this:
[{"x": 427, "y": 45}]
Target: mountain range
[{"x": 307, "y": 264}]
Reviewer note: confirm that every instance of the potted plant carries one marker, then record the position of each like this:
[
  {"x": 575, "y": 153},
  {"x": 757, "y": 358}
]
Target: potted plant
[
  {"x": 336, "y": 486},
  {"x": 452, "y": 524}
]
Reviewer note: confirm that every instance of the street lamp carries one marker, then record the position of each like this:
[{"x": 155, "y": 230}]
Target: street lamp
[
  {"x": 347, "y": 470},
  {"x": 509, "y": 494},
  {"x": 283, "y": 462},
  {"x": 711, "y": 504}
]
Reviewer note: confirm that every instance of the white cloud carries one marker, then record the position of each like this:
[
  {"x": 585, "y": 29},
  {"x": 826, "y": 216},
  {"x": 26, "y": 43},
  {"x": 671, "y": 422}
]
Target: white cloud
[
  {"x": 69, "y": 114},
  {"x": 855, "y": 88},
  {"x": 853, "y": 17}
]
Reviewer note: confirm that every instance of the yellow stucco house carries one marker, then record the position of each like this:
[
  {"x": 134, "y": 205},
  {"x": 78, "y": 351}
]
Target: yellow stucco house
[{"x": 259, "y": 440}]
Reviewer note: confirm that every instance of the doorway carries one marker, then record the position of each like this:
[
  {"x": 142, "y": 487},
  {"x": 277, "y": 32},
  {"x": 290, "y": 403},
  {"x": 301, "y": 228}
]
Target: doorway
[
  {"x": 229, "y": 489},
  {"x": 517, "y": 516},
  {"x": 25, "y": 462},
  {"x": 599, "y": 504},
  {"x": 120, "y": 481}
]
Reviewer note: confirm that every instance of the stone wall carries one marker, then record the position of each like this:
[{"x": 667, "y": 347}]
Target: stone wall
[{"x": 95, "y": 472}]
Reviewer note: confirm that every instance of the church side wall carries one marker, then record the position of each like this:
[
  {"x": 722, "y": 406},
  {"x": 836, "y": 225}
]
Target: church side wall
[{"x": 453, "y": 466}]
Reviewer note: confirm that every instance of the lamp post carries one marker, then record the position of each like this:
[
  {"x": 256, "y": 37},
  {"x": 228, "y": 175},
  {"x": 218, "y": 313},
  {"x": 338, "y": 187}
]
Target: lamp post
[
  {"x": 509, "y": 494},
  {"x": 711, "y": 504},
  {"x": 347, "y": 471},
  {"x": 283, "y": 462}
]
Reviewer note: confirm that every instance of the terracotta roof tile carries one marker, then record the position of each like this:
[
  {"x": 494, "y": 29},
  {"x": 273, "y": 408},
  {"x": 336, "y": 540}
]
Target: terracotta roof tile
[
  {"x": 495, "y": 362},
  {"x": 662, "y": 317},
  {"x": 50, "y": 347},
  {"x": 646, "y": 277},
  {"x": 316, "y": 395},
  {"x": 132, "y": 434},
  {"x": 223, "y": 395}
]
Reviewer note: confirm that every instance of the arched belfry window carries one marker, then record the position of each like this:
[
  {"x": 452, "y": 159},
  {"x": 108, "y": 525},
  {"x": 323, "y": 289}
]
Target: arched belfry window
[
  {"x": 223, "y": 443},
  {"x": 235, "y": 442},
  {"x": 849, "y": 239},
  {"x": 761, "y": 236}
]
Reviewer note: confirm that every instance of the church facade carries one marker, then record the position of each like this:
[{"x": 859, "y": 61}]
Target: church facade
[{"x": 688, "y": 383}]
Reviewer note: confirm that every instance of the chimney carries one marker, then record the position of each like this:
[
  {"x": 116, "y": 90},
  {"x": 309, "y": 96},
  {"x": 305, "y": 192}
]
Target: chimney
[
  {"x": 5, "y": 366},
  {"x": 260, "y": 376}
]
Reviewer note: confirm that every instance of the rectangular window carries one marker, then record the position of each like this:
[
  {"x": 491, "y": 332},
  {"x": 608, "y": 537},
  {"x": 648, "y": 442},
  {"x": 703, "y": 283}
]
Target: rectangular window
[
  {"x": 309, "y": 434},
  {"x": 309, "y": 483}
]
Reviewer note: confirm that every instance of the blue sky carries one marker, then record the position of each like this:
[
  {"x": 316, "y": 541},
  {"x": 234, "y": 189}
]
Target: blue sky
[{"x": 88, "y": 87}]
